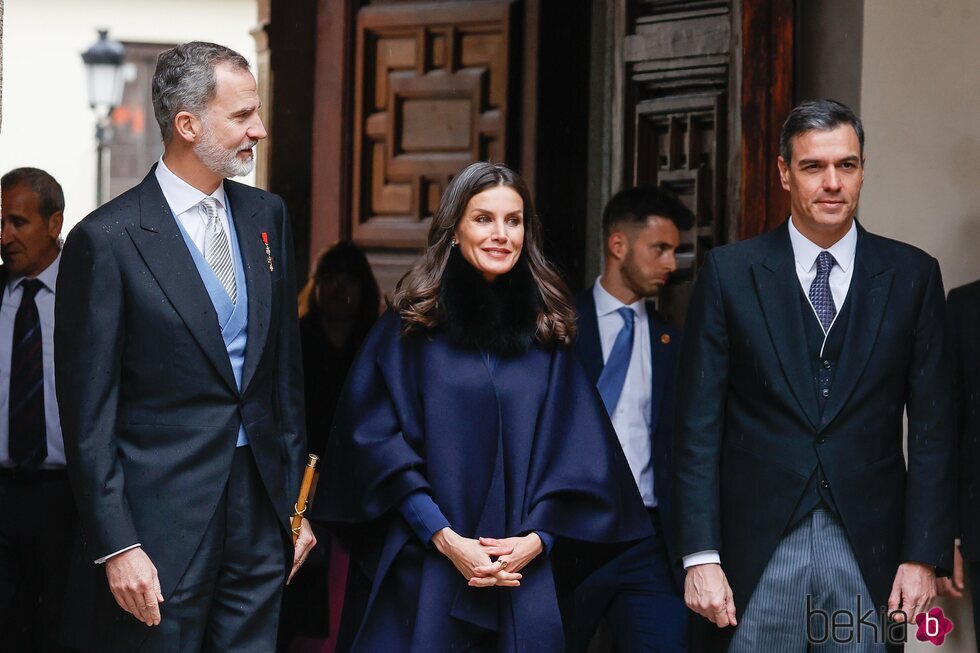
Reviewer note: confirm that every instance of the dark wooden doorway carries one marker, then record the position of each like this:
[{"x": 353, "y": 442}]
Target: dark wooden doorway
[
  {"x": 406, "y": 93},
  {"x": 374, "y": 104},
  {"x": 693, "y": 99}
]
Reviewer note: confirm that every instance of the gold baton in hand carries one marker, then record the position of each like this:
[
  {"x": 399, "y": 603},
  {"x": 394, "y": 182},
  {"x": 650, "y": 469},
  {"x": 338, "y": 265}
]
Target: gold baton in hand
[{"x": 304, "y": 493}]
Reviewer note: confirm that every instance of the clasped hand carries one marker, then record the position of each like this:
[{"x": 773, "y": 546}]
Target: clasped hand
[{"x": 488, "y": 562}]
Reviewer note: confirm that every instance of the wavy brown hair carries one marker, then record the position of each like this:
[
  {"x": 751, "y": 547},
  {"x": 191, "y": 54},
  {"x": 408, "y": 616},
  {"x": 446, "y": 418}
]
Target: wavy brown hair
[{"x": 416, "y": 297}]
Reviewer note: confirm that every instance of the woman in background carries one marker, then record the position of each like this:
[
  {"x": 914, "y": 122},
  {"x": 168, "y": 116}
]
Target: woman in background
[
  {"x": 338, "y": 306},
  {"x": 470, "y": 458}
]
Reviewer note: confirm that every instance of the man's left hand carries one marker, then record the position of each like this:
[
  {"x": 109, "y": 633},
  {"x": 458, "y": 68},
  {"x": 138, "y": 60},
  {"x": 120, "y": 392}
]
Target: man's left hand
[
  {"x": 913, "y": 591},
  {"x": 304, "y": 544}
]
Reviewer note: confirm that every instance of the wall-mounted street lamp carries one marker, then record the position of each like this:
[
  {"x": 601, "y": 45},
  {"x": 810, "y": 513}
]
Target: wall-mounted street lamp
[{"x": 104, "y": 67}]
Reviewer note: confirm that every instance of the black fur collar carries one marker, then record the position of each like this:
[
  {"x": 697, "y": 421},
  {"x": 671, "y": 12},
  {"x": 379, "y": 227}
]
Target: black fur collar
[{"x": 499, "y": 317}]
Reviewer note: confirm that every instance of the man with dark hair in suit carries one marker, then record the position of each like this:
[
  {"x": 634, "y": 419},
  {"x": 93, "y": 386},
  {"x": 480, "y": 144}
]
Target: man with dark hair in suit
[
  {"x": 37, "y": 514},
  {"x": 803, "y": 348},
  {"x": 963, "y": 320},
  {"x": 180, "y": 382},
  {"x": 630, "y": 353}
]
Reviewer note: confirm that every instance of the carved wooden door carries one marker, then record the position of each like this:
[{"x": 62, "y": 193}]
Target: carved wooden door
[
  {"x": 707, "y": 83},
  {"x": 431, "y": 91}
]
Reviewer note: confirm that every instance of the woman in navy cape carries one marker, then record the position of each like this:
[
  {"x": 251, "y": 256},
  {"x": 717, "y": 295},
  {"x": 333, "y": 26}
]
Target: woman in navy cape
[{"x": 471, "y": 462}]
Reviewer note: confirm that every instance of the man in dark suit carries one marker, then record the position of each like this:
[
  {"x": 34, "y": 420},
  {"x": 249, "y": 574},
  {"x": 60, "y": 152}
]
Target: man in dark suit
[
  {"x": 802, "y": 349},
  {"x": 963, "y": 320},
  {"x": 37, "y": 514},
  {"x": 630, "y": 353},
  {"x": 180, "y": 382}
]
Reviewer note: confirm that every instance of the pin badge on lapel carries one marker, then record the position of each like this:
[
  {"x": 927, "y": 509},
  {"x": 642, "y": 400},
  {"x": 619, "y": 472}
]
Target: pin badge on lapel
[
  {"x": 268, "y": 252},
  {"x": 665, "y": 338}
]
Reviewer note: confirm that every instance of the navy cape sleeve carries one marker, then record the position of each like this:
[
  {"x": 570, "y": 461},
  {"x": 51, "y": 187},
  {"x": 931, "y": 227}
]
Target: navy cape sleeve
[
  {"x": 370, "y": 466},
  {"x": 579, "y": 484}
]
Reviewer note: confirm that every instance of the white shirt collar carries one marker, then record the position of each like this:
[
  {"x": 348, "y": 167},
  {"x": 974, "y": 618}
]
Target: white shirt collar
[
  {"x": 180, "y": 195},
  {"x": 605, "y": 303},
  {"x": 48, "y": 276},
  {"x": 806, "y": 251}
]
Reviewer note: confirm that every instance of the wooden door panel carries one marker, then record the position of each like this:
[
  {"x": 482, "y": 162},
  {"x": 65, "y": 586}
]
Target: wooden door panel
[
  {"x": 431, "y": 95},
  {"x": 678, "y": 73}
]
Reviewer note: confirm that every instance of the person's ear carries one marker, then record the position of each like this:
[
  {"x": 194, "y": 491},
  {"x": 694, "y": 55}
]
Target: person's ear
[
  {"x": 187, "y": 127},
  {"x": 783, "y": 172},
  {"x": 617, "y": 245},
  {"x": 55, "y": 222}
]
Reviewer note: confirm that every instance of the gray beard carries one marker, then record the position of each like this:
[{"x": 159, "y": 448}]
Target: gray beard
[{"x": 220, "y": 160}]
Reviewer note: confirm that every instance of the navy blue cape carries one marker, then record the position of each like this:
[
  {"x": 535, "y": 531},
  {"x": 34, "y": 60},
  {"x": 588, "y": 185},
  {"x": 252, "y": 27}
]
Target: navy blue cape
[{"x": 504, "y": 447}]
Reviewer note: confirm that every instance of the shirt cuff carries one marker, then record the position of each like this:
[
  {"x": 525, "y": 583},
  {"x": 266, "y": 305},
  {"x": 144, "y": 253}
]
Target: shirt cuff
[
  {"x": 547, "y": 540},
  {"x": 709, "y": 557},
  {"x": 422, "y": 515},
  {"x": 112, "y": 555}
]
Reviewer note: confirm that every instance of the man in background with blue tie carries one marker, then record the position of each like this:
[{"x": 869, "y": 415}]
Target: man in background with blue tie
[
  {"x": 180, "y": 383},
  {"x": 37, "y": 513},
  {"x": 799, "y": 520},
  {"x": 630, "y": 353}
]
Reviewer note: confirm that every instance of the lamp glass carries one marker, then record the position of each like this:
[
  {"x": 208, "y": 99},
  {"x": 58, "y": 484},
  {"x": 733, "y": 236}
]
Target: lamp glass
[{"x": 105, "y": 85}]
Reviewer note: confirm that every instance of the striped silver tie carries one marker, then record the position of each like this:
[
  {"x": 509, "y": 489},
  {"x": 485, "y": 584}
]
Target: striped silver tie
[{"x": 216, "y": 249}]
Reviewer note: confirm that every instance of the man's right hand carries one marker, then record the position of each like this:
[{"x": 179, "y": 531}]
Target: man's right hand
[
  {"x": 134, "y": 584},
  {"x": 706, "y": 591}
]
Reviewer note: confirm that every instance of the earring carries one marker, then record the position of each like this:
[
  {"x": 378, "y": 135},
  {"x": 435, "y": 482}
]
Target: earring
[{"x": 453, "y": 243}]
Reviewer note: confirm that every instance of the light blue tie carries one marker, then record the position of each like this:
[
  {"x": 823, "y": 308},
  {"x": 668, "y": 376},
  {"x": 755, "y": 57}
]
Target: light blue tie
[{"x": 614, "y": 373}]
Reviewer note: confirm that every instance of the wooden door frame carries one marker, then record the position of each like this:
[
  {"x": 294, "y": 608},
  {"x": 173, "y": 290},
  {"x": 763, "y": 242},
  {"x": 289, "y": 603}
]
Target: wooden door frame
[
  {"x": 332, "y": 132},
  {"x": 765, "y": 75},
  {"x": 763, "y": 71}
]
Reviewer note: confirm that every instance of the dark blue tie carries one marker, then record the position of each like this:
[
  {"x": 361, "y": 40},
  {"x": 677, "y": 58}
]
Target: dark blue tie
[
  {"x": 820, "y": 295},
  {"x": 28, "y": 440},
  {"x": 614, "y": 373}
]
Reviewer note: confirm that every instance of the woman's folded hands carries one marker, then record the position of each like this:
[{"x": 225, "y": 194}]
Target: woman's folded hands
[{"x": 488, "y": 562}]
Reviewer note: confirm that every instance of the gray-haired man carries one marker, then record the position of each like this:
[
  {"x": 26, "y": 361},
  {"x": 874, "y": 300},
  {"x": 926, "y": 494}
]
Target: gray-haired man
[{"x": 180, "y": 385}]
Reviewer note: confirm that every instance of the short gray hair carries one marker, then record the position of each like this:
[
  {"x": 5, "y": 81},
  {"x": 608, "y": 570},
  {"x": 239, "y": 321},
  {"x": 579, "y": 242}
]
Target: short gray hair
[
  {"x": 50, "y": 196},
  {"x": 823, "y": 115},
  {"x": 184, "y": 80}
]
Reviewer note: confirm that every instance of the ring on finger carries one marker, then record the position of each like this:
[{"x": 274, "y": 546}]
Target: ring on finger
[{"x": 503, "y": 563}]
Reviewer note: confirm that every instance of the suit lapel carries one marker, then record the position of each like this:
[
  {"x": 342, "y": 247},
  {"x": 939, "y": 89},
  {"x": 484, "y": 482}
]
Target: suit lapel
[
  {"x": 658, "y": 355},
  {"x": 778, "y": 287},
  {"x": 589, "y": 343},
  {"x": 3, "y": 283},
  {"x": 164, "y": 251},
  {"x": 251, "y": 219},
  {"x": 869, "y": 293}
]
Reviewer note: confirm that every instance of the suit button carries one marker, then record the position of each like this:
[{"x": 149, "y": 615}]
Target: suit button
[
  {"x": 821, "y": 440},
  {"x": 824, "y": 484},
  {"x": 826, "y": 365},
  {"x": 825, "y": 392}
]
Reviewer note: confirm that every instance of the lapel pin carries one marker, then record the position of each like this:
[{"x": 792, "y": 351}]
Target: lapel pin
[
  {"x": 665, "y": 338},
  {"x": 268, "y": 252}
]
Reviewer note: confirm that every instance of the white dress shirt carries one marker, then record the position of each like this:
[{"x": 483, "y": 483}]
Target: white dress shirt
[
  {"x": 12, "y": 294},
  {"x": 185, "y": 202},
  {"x": 631, "y": 419},
  {"x": 806, "y": 252}
]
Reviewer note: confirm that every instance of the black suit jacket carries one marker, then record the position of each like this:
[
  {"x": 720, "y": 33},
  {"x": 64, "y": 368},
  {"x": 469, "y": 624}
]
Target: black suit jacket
[
  {"x": 149, "y": 405},
  {"x": 750, "y": 432},
  {"x": 964, "y": 326},
  {"x": 664, "y": 348}
]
